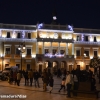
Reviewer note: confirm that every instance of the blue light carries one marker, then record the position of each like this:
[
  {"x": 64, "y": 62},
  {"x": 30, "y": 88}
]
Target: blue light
[
  {"x": 70, "y": 27},
  {"x": 40, "y": 26}
]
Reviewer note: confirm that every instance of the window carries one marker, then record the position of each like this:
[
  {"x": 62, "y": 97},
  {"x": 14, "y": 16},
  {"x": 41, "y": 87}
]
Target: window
[
  {"x": 95, "y": 39},
  {"x": 18, "y": 35},
  {"x": 46, "y": 51},
  {"x": 28, "y": 51},
  {"x": 29, "y": 35},
  {"x": 87, "y": 67},
  {"x": 62, "y": 51},
  {"x": 7, "y": 51},
  {"x": 95, "y": 53},
  {"x": 86, "y": 38},
  {"x": 87, "y": 52},
  {"x": 78, "y": 38},
  {"x": 17, "y": 51},
  {"x": 77, "y": 52},
  {"x": 28, "y": 66},
  {"x": 8, "y": 34},
  {"x": 54, "y": 51}
]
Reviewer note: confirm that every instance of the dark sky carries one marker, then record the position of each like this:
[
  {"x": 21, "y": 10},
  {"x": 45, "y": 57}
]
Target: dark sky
[{"x": 80, "y": 13}]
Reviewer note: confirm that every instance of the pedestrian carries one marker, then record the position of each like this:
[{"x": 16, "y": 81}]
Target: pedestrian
[
  {"x": 18, "y": 78},
  {"x": 68, "y": 83},
  {"x": 26, "y": 77},
  {"x": 93, "y": 82},
  {"x": 36, "y": 80},
  {"x": 51, "y": 83},
  {"x": 30, "y": 76},
  {"x": 45, "y": 79},
  {"x": 62, "y": 84}
]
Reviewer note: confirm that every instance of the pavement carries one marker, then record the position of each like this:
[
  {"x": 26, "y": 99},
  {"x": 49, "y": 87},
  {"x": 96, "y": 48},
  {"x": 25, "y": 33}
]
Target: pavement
[{"x": 35, "y": 93}]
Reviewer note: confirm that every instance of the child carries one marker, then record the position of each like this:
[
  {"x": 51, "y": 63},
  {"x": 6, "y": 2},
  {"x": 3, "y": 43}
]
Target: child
[
  {"x": 62, "y": 84},
  {"x": 51, "y": 82}
]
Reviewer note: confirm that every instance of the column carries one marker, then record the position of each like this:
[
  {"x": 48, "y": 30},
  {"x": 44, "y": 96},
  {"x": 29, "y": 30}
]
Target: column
[
  {"x": 36, "y": 47},
  {"x": 43, "y": 48},
  {"x": 51, "y": 48},
  {"x": 72, "y": 48},
  {"x": 59, "y": 48},
  {"x": 66, "y": 48}
]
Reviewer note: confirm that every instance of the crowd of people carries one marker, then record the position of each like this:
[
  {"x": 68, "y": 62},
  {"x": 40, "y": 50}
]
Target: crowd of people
[{"x": 69, "y": 79}]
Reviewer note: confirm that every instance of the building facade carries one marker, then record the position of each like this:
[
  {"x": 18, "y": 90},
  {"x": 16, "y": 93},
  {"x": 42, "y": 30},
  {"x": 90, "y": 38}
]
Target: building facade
[{"x": 48, "y": 46}]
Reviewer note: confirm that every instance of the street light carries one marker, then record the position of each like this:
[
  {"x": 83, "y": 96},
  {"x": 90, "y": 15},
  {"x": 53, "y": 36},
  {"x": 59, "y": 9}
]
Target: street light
[
  {"x": 2, "y": 60},
  {"x": 21, "y": 48}
]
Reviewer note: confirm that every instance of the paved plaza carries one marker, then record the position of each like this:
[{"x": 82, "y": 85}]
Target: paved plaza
[{"x": 34, "y": 93}]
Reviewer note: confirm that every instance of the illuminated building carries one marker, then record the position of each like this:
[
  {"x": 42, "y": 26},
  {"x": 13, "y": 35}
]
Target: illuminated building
[{"x": 48, "y": 46}]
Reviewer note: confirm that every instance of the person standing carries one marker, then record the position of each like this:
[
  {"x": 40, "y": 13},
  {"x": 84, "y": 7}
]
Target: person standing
[
  {"x": 45, "y": 79},
  {"x": 68, "y": 83},
  {"x": 51, "y": 82},
  {"x": 93, "y": 82},
  {"x": 30, "y": 76},
  {"x": 26, "y": 77},
  {"x": 18, "y": 78},
  {"x": 36, "y": 76}
]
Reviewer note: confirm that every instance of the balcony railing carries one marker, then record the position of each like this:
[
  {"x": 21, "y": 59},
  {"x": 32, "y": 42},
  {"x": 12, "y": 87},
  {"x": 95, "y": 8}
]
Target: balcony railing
[{"x": 82, "y": 57}]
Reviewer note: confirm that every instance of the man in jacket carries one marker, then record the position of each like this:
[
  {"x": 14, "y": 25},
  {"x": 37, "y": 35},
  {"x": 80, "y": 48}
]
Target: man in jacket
[{"x": 36, "y": 76}]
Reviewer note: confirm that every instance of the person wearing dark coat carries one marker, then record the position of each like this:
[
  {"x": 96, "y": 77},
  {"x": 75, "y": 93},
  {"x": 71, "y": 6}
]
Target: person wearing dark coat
[
  {"x": 36, "y": 76},
  {"x": 93, "y": 82},
  {"x": 26, "y": 77},
  {"x": 51, "y": 83}
]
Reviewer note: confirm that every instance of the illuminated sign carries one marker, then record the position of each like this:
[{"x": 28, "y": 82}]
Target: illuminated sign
[{"x": 54, "y": 56}]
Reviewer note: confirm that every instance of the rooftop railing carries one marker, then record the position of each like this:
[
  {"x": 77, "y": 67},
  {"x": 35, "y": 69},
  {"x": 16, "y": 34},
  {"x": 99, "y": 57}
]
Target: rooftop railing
[{"x": 16, "y": 26}]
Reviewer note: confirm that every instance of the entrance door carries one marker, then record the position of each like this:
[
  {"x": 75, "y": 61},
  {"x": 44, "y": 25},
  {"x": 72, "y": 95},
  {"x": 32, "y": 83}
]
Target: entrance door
[
  {"x": 78, "y": 67},
  {"x": 28, "y": 66},
  {"x": 70, "y": 68},
  {"x": 40, "y": 68}
]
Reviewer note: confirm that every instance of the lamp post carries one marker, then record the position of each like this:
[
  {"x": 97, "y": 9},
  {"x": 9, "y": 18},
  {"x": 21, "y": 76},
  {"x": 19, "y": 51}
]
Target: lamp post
[
  {"x": 2, "y": 61},
  {"x": 21, "y": 48},
  {"x": 84, "y": 59}
]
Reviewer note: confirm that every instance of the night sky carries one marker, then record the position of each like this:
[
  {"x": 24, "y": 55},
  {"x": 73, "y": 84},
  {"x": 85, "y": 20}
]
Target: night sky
[{"x": 79, "y": 13}]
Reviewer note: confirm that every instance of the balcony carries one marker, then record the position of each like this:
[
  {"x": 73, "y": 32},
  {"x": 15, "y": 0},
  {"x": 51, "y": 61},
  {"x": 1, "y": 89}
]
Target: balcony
[
  {"x": 7, "y": 55},
  {"x": 82, "y": 57},
  {"x": 28, "y": 57},
  {"x": 55, "y": 57},
  {"x": 16, "y": 56}
]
